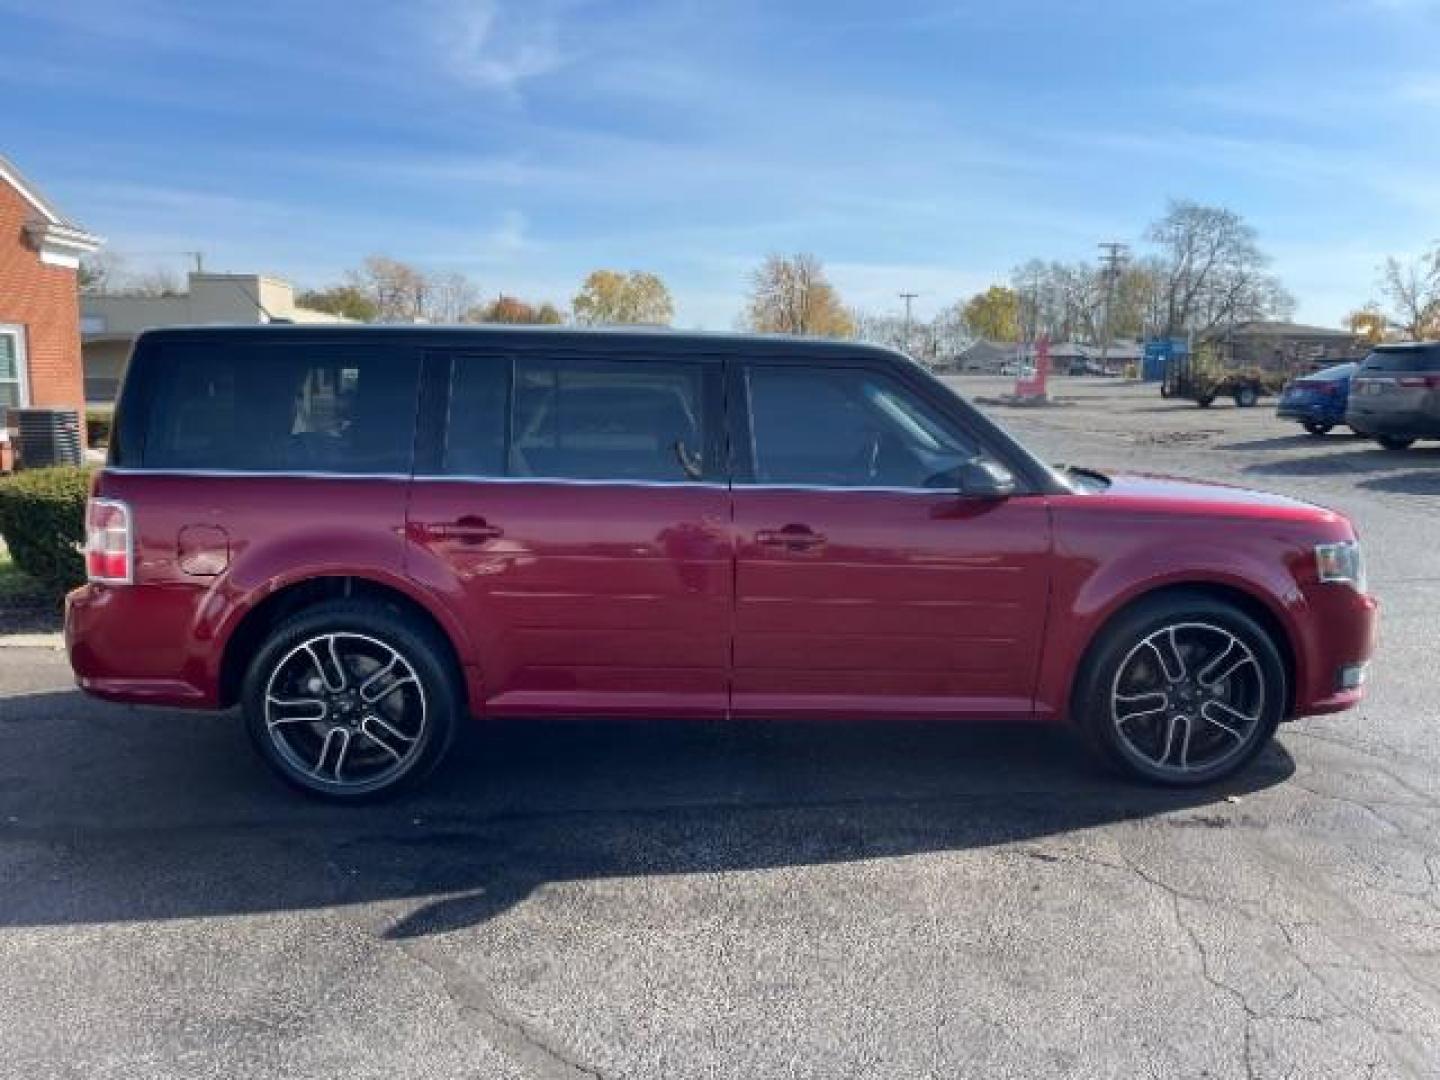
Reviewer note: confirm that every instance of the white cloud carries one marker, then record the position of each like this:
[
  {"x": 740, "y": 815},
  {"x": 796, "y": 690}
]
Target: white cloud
[{"x": 495, "y": 45}]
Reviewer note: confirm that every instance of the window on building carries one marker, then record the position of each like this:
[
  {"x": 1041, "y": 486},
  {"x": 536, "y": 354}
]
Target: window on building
[{"x": 12, "y": 367}]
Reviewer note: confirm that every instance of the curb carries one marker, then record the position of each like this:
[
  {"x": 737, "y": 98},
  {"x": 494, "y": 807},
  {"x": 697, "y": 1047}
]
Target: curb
[{"x": 52, "y": 640}]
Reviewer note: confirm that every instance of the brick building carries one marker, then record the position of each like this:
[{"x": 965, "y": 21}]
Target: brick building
[{"x": 40, "y": 252}]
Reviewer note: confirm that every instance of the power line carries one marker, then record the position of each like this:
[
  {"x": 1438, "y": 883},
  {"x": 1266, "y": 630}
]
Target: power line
[
  {"x": 1114, "y": 257},
  {"x": 907, "y": 297}
]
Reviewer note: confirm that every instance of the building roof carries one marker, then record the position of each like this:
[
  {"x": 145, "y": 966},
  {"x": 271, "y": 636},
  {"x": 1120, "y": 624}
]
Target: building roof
[
  {"x": 59, "y": 239},
  {"x": 1275, "y": 328}
]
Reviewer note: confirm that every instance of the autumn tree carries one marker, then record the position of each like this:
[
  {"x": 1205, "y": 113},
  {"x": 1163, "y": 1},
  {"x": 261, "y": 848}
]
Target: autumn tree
[
  {"x": 1367, "y": 323},
  {"x": 397, "y": 289},
  {"x": 347, "y": 301},
  {"x": 1213, "y": 271},
  {"x": 993, "y": 315},
  {"x": 516, "y": 312},
  {"x": 613, "y": 296},
  {"x": 1412, "y": 287},
  {"x": 791, "y": 295}
]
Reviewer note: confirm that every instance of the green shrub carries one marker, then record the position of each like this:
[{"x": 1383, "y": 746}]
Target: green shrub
[
  {"x": 42, "y": 517},
  {"x": 97, "y": 427}
]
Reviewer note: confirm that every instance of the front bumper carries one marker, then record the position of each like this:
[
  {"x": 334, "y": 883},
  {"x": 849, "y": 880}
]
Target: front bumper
[{"x": 1345, "y": 627}]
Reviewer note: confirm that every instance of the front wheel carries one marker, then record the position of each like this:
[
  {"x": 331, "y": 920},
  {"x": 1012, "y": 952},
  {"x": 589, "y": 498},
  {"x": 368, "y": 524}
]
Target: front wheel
[
  {"x": 1318, "y": 429},
  {"x": 1246, "y": 396},
  {"x": 350, "y": 701},
  {"x": 1183, "y": 690}
]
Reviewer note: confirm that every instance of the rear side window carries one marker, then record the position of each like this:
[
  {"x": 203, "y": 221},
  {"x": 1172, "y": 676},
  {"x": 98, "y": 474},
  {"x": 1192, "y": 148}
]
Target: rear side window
[
  {"x": 1423, "y": 358},
  {"x": 475, "y": 428},
  {"x": 288, "y": 407},
  {"x": 608, "y": 420}
]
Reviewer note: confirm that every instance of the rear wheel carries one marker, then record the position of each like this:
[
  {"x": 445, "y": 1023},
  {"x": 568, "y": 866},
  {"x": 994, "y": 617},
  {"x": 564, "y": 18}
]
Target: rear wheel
[
  {"x": 1183, "y": 690},
  {"x": 351, "y": 701},
  {"x": 1317, "y": 429},
  {"x": 1394, "y": 442},
  {"x": 1205, "y": 400},
  {"x": 1246, "y": 396}
]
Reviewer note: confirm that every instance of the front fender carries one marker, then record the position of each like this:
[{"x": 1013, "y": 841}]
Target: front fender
[{"x": 1101, "y": 570}]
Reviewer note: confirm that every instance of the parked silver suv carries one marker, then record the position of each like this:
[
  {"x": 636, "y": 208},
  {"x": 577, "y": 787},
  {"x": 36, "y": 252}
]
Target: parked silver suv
[{"x": 1395, "y": 396}]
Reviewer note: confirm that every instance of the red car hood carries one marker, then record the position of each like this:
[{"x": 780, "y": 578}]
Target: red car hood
[{"x": 1173, "y": 494}]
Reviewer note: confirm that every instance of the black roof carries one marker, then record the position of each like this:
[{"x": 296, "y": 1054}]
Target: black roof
[{"x": 641, "y": 338}]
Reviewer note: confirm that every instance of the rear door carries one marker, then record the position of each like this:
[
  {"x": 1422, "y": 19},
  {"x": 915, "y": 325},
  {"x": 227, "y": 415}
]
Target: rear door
[
  {"x": 576, "y": 513},
  {"x": 865, "y": 584}
]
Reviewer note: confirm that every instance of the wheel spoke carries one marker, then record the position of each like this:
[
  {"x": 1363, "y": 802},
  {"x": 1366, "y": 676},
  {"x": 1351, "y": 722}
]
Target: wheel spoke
[
  {"x": 297, "y": 703},
  {"x": 1231, "y": 713},
  {"x": 1171, "y": 665},
  {"x": 1231, "y": 666},
  {"x": 339, "y": 738},
  {"x": 390, "y": 734},
  {"x": 330, "y": 684},
  {"x": 1160, "y": 700}
]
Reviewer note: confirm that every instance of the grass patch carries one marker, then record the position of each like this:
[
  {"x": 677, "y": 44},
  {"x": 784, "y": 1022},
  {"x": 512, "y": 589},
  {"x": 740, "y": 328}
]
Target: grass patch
[{"x": 19, "y": 589}]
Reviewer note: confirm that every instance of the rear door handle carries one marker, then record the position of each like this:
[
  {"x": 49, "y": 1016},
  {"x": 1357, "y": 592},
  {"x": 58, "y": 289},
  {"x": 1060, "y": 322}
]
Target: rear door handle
[
  {"x": 467, "y": 530},
  {"x": 791, "y": 537}
]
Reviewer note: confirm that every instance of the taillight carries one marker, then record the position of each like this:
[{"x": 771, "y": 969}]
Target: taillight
[
  {"x": 108, "y": 541},
  {"x": 1426, "y": 382}
]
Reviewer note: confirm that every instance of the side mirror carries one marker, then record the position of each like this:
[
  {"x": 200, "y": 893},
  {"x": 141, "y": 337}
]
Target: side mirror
[{"x": 980, "y": 479}]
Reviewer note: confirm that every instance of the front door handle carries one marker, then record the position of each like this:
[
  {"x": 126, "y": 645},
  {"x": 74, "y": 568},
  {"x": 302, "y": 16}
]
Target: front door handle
[
  {"x": 791, "y": 537},
  {"x": 469, "y": 529}
]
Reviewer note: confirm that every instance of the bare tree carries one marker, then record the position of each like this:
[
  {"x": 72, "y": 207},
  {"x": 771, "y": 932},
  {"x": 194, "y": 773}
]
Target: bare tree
[
  {"x": 791, "y": 295},
  {"x": 1213, "y": 270},
  {"x": 1412, "y": 288}
]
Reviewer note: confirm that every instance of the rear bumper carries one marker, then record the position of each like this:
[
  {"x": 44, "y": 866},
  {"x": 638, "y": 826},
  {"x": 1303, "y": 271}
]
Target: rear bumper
[
  {"x": 1310, "y": 414},
  {"x": 123, "y": 647},
  {"x": 1403, "y": 423}
]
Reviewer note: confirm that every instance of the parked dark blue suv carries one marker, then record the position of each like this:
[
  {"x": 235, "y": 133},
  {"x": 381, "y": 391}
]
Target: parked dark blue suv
[{"x": 1318, "y": 401}]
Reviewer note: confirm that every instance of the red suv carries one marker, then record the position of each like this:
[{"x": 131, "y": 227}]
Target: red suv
[{"x": 362, "y": 535}]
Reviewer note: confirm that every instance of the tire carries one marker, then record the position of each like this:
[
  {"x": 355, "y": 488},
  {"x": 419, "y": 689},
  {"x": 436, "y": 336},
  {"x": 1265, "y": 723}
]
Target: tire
[
  {"x": 1246, "y": 397},
  {"x": 1205, "y": 400},
  {"x": 1164, "y": 391},
  {"x": 324, "y": 732},
  {"x": 1317, "y": 429},
  {"x": 1123, "y": 720},
  {"x": 1394, "y": 442}
]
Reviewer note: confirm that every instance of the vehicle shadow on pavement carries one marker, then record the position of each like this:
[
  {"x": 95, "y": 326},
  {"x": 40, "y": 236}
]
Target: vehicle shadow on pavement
[
  {"x": 119, "y": 814},
  {"x": 1371, "y": 460},
  {"x": 1423, "y": 482},
  {"x": 1299, "y": 441}
]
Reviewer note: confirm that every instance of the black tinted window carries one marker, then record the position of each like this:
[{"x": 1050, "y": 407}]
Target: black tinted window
[
  {"x": 608, "y": 420},
  {"x": 1425, "y": 358},
  {"x": 475, "y": 434},
  {"x": 847, "y": 428},
  {"x": 277, "y": 407}
]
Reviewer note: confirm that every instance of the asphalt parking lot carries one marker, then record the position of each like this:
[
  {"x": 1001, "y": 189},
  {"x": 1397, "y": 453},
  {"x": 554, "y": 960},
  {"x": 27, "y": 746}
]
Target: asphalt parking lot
[{"x": 794, "y": 900}]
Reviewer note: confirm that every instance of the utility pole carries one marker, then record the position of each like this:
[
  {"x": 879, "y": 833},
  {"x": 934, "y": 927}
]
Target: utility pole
[
  {"x": 907, "y": 297},
  {"x": 1112, "y": 260}
]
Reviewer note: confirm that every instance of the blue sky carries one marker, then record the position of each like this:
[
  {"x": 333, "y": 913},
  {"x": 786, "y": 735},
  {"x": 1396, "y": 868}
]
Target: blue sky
[{"x": 923, "y": 145}]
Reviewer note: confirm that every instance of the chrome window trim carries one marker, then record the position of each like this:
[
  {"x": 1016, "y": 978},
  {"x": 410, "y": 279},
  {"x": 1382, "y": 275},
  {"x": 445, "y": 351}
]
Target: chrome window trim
[
  {"x": 566, "y": 481},
  {"x": 872, "y": 488},
  {"x": 261, "y": 474}
]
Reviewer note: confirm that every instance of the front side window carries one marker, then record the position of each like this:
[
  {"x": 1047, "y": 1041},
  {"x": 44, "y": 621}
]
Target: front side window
[
  {"x": 607, "y": 420},
  {"x": 848, "y": 427},
  {"x": 281, "y": 408}
]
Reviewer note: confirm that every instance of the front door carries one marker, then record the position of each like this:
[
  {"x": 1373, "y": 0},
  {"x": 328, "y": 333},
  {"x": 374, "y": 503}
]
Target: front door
[
  {"x": 866, "y": 584},
  {"x": 580, "y": 512}
]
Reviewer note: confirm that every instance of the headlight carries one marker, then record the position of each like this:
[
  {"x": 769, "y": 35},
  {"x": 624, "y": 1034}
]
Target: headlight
[{"x": 1341, "y": 562}]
